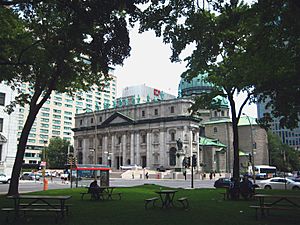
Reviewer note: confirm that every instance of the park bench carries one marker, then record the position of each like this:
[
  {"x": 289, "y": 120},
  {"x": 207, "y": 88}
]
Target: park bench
[
  {"x": 184, "y": 201},
  {"x": 148, "y": 200}
]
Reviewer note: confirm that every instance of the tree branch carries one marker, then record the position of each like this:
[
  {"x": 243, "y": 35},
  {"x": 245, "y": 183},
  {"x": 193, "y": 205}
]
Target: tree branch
[{"x": 244, "y": 103}]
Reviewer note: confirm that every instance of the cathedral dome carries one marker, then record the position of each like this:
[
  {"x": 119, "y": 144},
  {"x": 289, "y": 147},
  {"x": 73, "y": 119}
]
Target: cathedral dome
[{"x": 198, "y": 85}]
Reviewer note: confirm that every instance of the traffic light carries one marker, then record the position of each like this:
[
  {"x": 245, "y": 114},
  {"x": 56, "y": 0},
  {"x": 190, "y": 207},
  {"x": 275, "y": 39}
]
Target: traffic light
[{"x": 194, "y": 161}]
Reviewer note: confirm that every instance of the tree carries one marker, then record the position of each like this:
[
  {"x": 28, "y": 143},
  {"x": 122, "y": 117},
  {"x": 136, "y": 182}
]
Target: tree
[
  {"x": 232, "y": 47},
  {"x": 282, "y": 156},
  {"x": 57, "y": 153},
  {"x": 273, "y": 54},
  {"x": 61, "y": 46},
  {"x": 220, "y": 38}
]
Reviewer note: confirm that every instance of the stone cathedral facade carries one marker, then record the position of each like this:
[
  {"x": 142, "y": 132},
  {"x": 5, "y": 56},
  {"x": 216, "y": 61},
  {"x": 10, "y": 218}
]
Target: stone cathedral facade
[{"x": 145, "y": 134}]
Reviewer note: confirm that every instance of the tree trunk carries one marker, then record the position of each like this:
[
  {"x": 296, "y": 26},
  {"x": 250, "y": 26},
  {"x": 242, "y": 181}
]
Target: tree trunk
[
  {"x": 236, "y": 160},
  {"x": 14, "y": 182}
]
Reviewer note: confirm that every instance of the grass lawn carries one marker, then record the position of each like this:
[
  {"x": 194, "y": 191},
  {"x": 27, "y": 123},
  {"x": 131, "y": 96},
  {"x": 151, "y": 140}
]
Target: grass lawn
[{"x": 206, "y": 207}]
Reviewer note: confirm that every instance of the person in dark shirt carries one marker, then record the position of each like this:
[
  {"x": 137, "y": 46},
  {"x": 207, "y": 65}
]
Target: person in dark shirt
[
  {"x": 94, "y": 189},
  {"x": 246, "y": 188}
]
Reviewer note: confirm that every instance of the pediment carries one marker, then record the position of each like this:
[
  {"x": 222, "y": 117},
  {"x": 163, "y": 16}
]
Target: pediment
[{"x": 118, "y": 118}]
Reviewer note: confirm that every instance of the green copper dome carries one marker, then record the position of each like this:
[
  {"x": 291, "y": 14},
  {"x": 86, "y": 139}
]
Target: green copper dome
[{"x": 196, "y": 86}]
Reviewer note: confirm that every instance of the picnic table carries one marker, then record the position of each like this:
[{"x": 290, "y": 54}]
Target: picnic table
[
  {"x": 276, "y": 202},
  {"x": 103, "y": 191},
  {"x": 38, "y": 203},
  {"x": 167, "y": 197}
]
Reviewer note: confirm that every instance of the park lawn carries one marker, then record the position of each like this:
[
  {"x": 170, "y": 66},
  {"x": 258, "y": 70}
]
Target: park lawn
[{"x": 206, "y": 207}]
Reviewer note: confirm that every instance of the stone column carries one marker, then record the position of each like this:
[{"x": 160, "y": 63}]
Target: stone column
[
  {"x": 85, "y": 151},
  {"x": 124, "y": 149},
  {"x": 112, "y": 152},
  {"x": 162, "y": 150},
  {"x": 132, "y": 161},
  {"x": 148, "y": 150},
  {"x": 198, "y": 152},
  {"x": 105, "y": 149},
  {"x": 138, "y": 156}
]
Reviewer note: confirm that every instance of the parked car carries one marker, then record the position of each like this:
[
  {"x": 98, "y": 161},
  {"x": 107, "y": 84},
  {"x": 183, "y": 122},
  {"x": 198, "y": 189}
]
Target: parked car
[
  {"x": 130, "y": 167},
  {"x": 279, "y": 183},
  {"x": 222, "y": 182},
  {"x": 4, "y": 178},
  {"x": 29, "y": 176}
]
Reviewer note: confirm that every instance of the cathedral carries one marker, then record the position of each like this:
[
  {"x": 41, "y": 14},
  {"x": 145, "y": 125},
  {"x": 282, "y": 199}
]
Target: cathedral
[{"x": 161, "y": 132}]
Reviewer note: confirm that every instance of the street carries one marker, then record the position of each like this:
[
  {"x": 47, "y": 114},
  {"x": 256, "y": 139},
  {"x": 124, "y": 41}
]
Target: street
[{"x": 29, "y": 186}]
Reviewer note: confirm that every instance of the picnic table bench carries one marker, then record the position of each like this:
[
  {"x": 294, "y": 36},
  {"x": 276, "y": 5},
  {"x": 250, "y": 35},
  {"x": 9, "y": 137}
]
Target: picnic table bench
[
  {"x": 38, "y": 203},
  {"x": 276, "y": 204},
  {"x": 105, "y": 192},
  {"x": 148, "y": 200}
]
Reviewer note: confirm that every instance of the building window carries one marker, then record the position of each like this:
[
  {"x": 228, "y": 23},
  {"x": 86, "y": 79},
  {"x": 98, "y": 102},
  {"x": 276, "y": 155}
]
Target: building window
[
  {"x": 2, "y": 98},
  {"x": 100, "y": 118},
  {"x": 155, "y": 112},
  {"x": 222, "y": 113},
  {"x": 215, "y": 130},
  {"x": 0, "y": 153},
  {"x": 80, "y": 122},
  {"x": 172, "y": 157},
  {"x": 144, "y": 138},
  {"x": 92, "y": 120},
  {"x": 172, "y": 109},
  {"x": 119, "y": 140},
  {"x": 172, "y": 136},
  {"x": 216, "y": 113},
  {"x": 1, "y": 124},
  {"x": 143, "y": 113}
]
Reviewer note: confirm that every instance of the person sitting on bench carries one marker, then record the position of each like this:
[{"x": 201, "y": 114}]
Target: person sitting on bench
[
  {"x": 246, "y": 188},
  {"x": 94, "y": 189}
]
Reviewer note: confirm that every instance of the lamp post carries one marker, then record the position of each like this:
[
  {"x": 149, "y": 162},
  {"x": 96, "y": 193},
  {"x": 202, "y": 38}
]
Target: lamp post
[{"x": 252, "y": 151}]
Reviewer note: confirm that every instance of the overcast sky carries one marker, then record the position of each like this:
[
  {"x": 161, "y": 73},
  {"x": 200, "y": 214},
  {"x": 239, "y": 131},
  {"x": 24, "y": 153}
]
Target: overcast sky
[{"x": 149, "y": 64}]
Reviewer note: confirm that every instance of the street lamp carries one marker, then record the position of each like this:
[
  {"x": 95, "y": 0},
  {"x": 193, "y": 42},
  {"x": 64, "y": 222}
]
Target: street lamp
[{"x": 252, "y": 151}]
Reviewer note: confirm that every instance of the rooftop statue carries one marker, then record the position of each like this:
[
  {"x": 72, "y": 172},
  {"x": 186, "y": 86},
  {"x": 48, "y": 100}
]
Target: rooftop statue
[
  {"x": 133, "y": 100},
  {"x": 138, "y": 99}
]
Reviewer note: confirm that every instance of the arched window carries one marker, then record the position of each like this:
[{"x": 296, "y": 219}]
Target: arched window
[
  {"x": 222, "y": 113},
  {"x": 215, "y": 130},
  {"x": 172, "y": 156},
  {"x": 216, "y": 113}
]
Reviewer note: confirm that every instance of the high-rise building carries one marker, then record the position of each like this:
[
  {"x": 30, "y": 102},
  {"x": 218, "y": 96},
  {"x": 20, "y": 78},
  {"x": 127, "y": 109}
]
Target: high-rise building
[
  {"x": 56, "y": 117},
  {"x": 287, "y": 136},
  {"x": 8, "y": 130}
]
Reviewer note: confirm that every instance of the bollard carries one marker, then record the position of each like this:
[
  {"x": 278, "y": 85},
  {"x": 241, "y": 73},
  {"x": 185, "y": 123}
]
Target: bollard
[{"x": 45, "y": 184}]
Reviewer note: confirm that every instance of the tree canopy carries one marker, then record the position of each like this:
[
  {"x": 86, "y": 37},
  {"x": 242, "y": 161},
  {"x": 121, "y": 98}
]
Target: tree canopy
[
  {"x": 59, "y": 45},
  {"x": 243, "y": 48},
  {"x": 57, "y": 153}
]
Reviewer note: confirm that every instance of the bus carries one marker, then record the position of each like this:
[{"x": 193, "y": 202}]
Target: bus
[{"x": 265, "y": 171}]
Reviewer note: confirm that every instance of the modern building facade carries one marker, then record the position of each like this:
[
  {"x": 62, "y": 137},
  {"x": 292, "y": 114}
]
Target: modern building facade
[
  {"x": 8, "y": 130},
  {"x": 56, "y": 117},
  {"x": 287, "y": 136}
]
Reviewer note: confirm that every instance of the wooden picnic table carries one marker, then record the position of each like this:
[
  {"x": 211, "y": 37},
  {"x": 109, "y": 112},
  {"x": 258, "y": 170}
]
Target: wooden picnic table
[
  {"x": 275, "y": 202},
  {"x": 167, "y": 197},
  {"x": 107, "y": 191},
  {"x": 38, "y": 203}
]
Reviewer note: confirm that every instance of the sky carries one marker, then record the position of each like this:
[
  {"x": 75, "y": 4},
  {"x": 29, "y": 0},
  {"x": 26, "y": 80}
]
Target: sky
[{"x": 150, "y": 64}]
